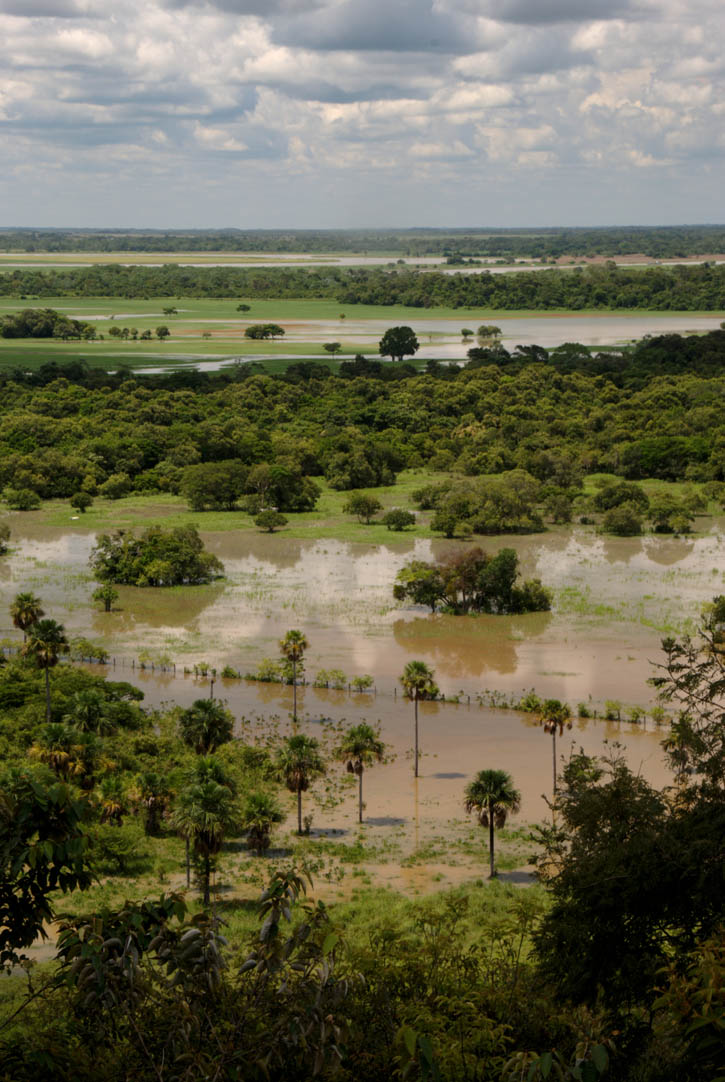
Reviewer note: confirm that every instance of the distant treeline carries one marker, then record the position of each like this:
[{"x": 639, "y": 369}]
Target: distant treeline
[
  {"x": 659, "y": 242},
  {"x": 683, "y": 288},
  {"x": 656, "y": 412}
]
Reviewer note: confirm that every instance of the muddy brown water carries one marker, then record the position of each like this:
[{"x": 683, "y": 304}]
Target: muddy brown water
[{"x": 615, "y": 598}]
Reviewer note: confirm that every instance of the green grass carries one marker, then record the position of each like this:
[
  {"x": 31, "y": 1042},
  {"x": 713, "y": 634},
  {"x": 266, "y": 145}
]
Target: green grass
[{"x": 326, "y": 521}]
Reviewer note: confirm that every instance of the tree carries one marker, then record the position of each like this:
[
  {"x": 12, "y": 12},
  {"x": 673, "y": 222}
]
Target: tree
[
  {"x": 398, "y": 342},
  {"x": 105, "y": 595},
  {"x": 81, "y": 501},
  {"x": 362, "y": 504},
  {"x": 43, "y": 849},
  {"x": 332, "y": 347},
  {"x": 492, "y": 796},
  {"x": 151, "y": 791},
  {"x": 293, "y": 647},
  {"x": 205, "y": 813},
  {"x": 361, "y": 747},
  {"x": 157, "y": 557},
  {"x": 205, "y": 726},
  {"x": 259, "y": 814},
  {"x": 418, "y": 684},
  {"x": 25, "y": 611},
  {"x": 623, "y": 520},
  {"x": 21, "y": 499},
  {"x": 299, "y": 762},
  {"x": 553, "y": 715},
  {"x": 4, "y": 537},
  {"x": 214, "y": 485},
  {"x": 398, "y": 519},
  {"x": 162, "y": 332},
  {"x": 264, "y": 331},
  {"x": 270, "y": 520},
  {"x": 45, "y": 643}
]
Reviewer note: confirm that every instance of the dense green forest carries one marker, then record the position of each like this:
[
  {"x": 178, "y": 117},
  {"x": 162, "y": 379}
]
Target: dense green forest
[
  {"x": 611, "y": 969},
  {"x": 680, "y": 288},
  {"x": 535, "y": 418},
  {"x": 656, "y": 241}
]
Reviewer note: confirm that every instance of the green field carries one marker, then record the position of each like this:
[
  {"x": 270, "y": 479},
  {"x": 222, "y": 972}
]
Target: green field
[{"x": 224, "y": 328}]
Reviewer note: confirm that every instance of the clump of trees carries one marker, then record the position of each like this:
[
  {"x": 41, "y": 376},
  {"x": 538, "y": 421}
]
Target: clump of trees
[
  {"x": 262, "y": 331},
  {"x": 507, "y": 503},
  {"x": 471, "y": 582},
  {"x": 156, "y": 557},
  {"x": 44, "y": 323}
]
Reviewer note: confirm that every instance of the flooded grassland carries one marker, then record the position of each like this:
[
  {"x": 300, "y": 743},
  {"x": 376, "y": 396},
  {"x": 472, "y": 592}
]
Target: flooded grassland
[{"x": 614, "y": 599}]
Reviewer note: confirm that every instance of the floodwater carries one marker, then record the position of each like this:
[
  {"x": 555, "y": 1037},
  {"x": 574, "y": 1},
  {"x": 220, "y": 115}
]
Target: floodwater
[
  {"x": 441, "y": 338},
  {"x": 615, "y": 598}
]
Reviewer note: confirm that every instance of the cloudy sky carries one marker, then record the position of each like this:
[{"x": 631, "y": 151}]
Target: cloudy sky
[{"x": 342, "y": 113}]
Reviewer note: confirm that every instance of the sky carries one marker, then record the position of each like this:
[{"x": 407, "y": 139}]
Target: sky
[{"x": 360, "y": 113}]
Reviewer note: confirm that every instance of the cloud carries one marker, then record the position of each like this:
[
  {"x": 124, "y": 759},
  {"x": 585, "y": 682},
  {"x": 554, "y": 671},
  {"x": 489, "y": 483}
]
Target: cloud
[
  {"x": 381, "y": 26},
  {"x": 57, "y": 9},
  {"x": 305, "y": 109}
]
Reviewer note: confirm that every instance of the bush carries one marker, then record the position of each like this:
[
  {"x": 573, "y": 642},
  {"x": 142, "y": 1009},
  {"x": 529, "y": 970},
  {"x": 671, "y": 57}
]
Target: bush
[
  {"x": 21, "y": 499},
  {"x": 119, "y": 850},
  {"x": 398, "y": 519},
  {"x": 158, "y": 557},
  {"x": 270, "y": 520},
  {"x": 623, "y": 520}
]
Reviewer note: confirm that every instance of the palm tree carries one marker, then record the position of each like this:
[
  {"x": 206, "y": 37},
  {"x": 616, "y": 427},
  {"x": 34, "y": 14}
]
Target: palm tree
[
  {"x": 553, "y": 715},
  {"x": 45, "y": 643},
  {"x": 86, "y": 712},
  {"x": 261, "y": 811},
  {"x": 299, "y": 762},
  {"x": 26, "y": 611},
  {"x": 293, "y": 647},
  {"x": 492, "y": 796},
  {"x": 151, "y": 791},
  {"x": 205, "y": 813},
  {"x": 205, "y": 726},
  {"x": 418, "y": 683},
  {"x": 360, "y": 748}
]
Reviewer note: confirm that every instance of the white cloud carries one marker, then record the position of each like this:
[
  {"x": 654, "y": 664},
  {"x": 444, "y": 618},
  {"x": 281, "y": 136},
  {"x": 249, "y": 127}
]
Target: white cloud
[{"x": 314, "y": 104}]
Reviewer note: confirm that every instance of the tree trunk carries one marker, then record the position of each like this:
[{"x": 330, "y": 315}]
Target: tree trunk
[
  {"x": 415, "y": 705},
  {"x": 359, "y": 797},
  {"x": 47, "y": 694},
  {"x": 553, "y": 746},
  {"x": 188, "y": 864},
  {"x": 207, "y": 877},
  {"x": 299, "y": 811},
  {"x": 294, "y": 694},
  {"x": 490, "y": 839}
]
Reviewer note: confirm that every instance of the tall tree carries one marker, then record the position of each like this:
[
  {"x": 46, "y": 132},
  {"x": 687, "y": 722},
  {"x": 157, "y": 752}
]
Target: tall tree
[
  {"x": 293, "y": 647},
  {"x": 25, "y": 611},
  {"x": 397, "y": 342},
  {"x": 553, "y": 715},
  {"x": 299, "y": 762},
  {"x": 360, "y": 748},
  {"x": 493, "y": 797},
  {"x": 205, "y": 813},
  {"x": 45, "y": 643},
  {"x": 418, "y": 683}
]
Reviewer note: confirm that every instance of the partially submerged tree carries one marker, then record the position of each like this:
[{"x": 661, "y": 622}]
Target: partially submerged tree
[
  {"x": 293, "y": 647},
  {"x": 418, "y": 684},
  {"x": 361, "y": 747},
  {"x": 493, "y": 797},
  {"x": 553, "y": 715},
  {"x": 299, "y": 761},
  {"x": 25, "y": 611}
]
